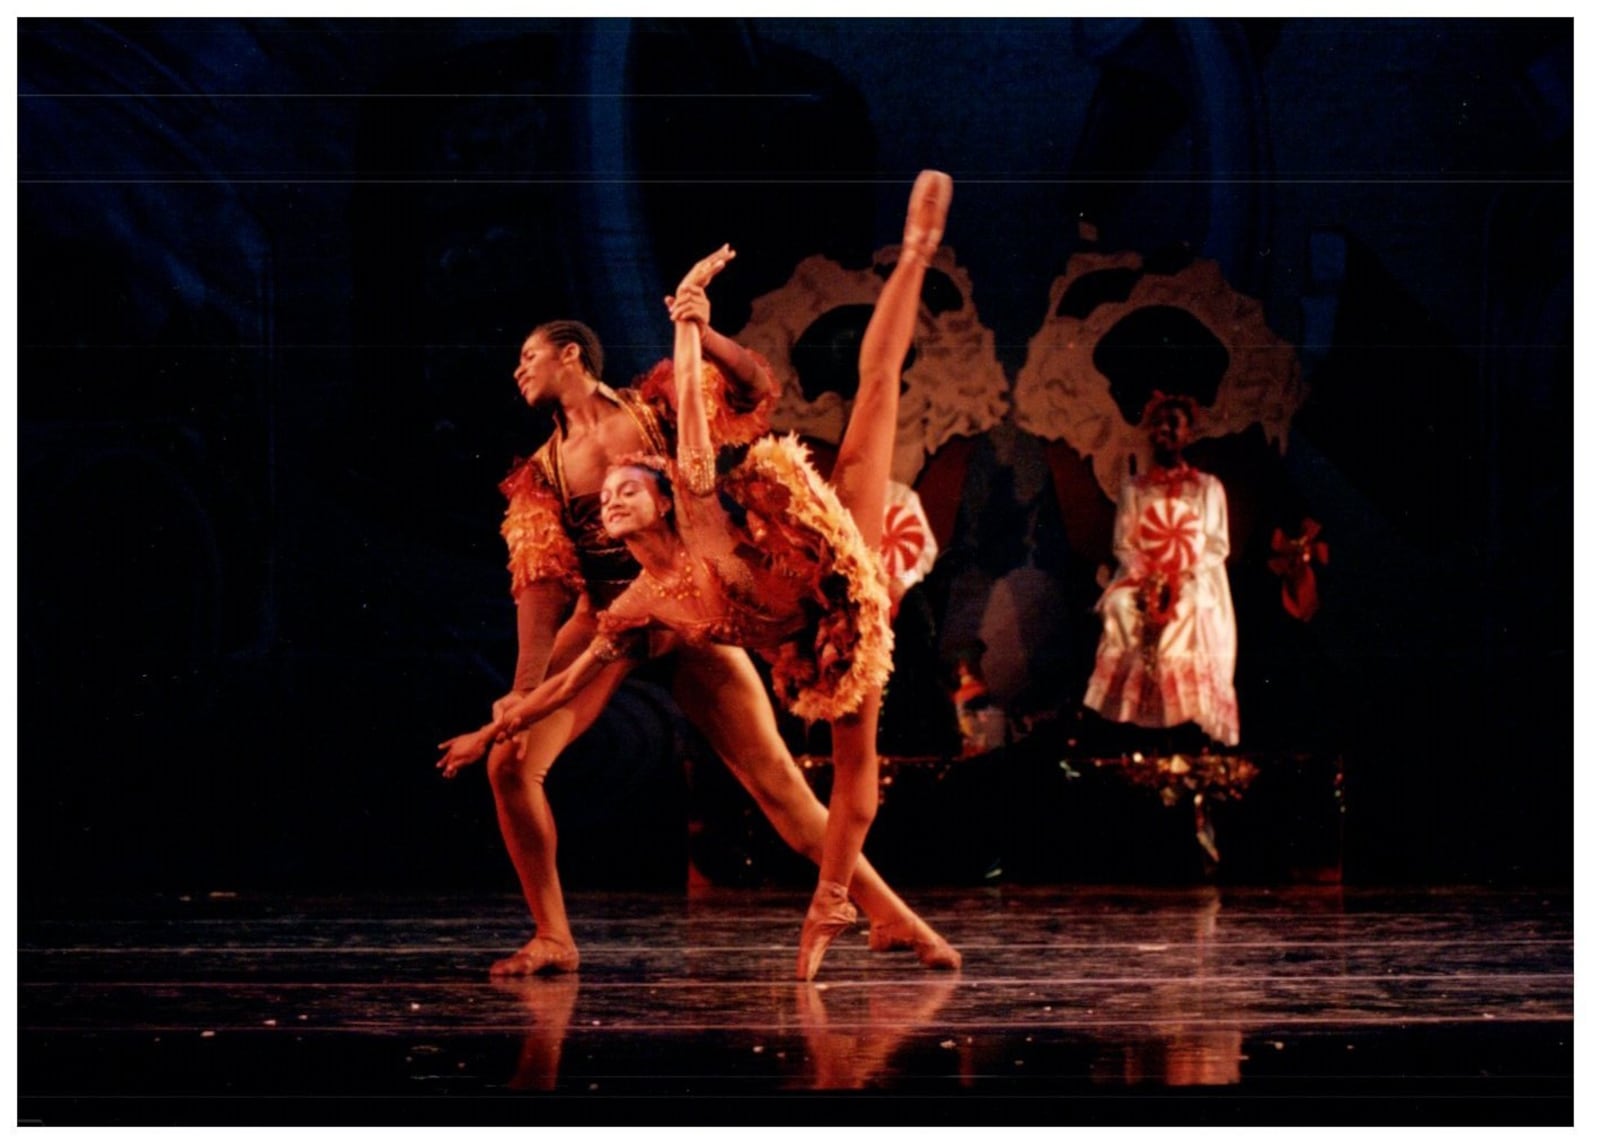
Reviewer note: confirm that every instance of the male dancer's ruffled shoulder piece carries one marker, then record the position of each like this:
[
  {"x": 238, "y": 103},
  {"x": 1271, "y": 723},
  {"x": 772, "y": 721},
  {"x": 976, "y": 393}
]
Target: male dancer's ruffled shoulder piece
[
  {"x": 736, "y": 418},
  {"x": 539, "y": 546}
]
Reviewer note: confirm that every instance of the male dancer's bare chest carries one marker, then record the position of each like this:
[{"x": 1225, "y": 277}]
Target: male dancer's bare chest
[
  {"x": 581, "y": 457},
  {"x": 585, "y": 455}
]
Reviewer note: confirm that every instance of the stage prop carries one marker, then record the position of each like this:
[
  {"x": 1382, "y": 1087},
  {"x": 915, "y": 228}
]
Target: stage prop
[
  {"x": 810, "y": 330},
  {"x": 1114, "y": 316},
  {"x": 1029, "y": 814},
  {"x": 908, "y": 546}
]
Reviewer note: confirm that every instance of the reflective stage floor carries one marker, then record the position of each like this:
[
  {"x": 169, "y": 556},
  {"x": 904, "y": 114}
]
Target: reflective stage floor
[{"x": 1075, "y": 1006}]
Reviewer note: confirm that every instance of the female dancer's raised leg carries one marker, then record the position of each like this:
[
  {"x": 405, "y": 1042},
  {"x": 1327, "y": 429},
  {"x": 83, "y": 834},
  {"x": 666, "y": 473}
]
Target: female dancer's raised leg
[
  {"x": 861, "y": 478},
  {"x": 866, "y": 453}
]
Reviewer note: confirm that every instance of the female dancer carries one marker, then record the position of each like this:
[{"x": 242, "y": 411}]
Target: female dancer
[{"x": 787, "y": 567}]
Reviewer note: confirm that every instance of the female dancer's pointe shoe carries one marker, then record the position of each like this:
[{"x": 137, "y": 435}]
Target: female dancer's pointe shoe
[
  {"x": 931, "y": 949},
  {"x": 929, "y": 207},
  {"x": 541, "y": 955},
  {"x": 829, "y": 915}
]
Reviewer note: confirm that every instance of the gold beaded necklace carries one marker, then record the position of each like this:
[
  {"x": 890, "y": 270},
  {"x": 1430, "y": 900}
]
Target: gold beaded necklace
[{"x": 681, "y": 586}]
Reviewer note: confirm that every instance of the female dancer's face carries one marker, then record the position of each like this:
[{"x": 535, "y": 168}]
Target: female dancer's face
[{"x": 631, "y": 501}]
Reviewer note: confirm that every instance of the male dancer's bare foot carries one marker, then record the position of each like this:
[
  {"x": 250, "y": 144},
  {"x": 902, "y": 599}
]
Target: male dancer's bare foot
[{"x": 541, "y": 955}]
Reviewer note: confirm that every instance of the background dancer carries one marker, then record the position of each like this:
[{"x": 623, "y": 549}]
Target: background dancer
[{"x": 1169, "y": 644}]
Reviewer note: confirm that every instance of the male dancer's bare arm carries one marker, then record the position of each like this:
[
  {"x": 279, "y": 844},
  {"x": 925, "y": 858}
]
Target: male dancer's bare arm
[
  {"x": 753, "y": 380},
  {"x": 541, "y": 607}
]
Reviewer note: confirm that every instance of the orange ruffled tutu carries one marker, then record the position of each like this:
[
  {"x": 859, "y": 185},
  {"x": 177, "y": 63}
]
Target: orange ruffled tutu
[{"x": 812, "y": 553}]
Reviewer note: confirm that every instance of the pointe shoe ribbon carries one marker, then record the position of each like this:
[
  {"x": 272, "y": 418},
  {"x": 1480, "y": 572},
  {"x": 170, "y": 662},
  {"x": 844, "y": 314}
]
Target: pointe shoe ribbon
[{"x": 828, "y": 916}]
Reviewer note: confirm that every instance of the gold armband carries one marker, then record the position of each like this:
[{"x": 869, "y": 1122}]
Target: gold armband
[
  {"x": 699, "y": 471},
  {"x": 605, "y": 649}
]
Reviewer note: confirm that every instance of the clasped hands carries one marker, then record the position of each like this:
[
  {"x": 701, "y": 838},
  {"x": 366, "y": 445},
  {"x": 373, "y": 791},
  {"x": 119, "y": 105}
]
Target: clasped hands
[
  {"x": 689, "y": 303},
  {"x": 464, "y": 750}
]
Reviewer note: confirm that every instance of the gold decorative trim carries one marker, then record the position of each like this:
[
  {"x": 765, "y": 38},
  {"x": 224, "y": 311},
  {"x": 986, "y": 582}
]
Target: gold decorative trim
[{"x": 1062, "y": 396}]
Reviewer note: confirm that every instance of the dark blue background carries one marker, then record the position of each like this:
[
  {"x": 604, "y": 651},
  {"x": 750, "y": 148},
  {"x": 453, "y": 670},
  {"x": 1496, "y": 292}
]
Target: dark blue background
[{"x": 273, "y": 275}]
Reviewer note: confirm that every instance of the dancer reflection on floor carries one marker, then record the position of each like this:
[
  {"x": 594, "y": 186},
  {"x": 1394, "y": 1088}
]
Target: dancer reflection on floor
[
  {"x": 769, "y": 556},
  {"x": 548, "y": 1002},
  {"x": 851, "y": 1040}
]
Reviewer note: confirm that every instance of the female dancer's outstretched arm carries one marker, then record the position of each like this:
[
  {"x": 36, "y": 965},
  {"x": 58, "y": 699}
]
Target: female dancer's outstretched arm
[{"x": 554, "y": 692}]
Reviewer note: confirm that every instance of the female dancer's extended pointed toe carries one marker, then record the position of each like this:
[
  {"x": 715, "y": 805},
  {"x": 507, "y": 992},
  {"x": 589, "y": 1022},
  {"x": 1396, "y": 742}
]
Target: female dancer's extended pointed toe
[{"x": 926, "y": 214}]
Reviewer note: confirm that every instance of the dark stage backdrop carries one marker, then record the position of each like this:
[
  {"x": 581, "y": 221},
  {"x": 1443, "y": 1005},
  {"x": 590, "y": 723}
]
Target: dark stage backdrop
[{"x": 274, "y": 274}]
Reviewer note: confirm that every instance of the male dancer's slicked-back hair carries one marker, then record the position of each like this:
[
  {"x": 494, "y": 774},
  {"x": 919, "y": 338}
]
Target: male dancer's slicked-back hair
[{"x": 565, "y": 332}]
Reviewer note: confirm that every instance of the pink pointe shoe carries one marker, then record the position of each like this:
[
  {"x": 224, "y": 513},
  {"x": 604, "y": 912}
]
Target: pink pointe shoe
[
  {"x": 926, "y": 214},
  {"x": 829, "y": 915},
  {"x": 919, "y": 937}
]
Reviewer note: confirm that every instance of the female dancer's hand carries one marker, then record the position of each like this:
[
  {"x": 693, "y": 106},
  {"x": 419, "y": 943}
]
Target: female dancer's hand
[
  {"x": 702, "y": 272},
  {"x": 464, "y": 750},
  {"x": 690, "y": 294}
]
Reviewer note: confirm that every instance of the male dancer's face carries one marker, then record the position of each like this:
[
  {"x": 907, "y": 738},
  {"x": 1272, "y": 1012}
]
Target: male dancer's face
[
  {"x": 538, "y": 370},
  {"x": 630, "y": 500}
]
